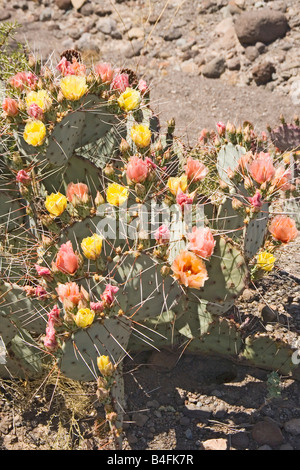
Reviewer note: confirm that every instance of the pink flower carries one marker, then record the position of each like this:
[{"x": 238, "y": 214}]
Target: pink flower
[
  {"x": 23, "y": 80},
  {"x": 40, "y": 292},
  {"x": 35, "y": 111},
  {"x": 162, "y": 234},
  {"x": 120, "y": 82},
  {"x": 137, "y": 170},
  {"x": 69, "y": 291},
  {"x": 23, "y": 177},
  {"x": 182, "y": 198},
  {"x": 195, "y": 170},
  {"x": 262, "y": 169},
  {"x": 42, "y": 270},
  {"x": 282, "y": 178},
  {"x": 49, "y": 340},
  {"x": 105, "y": 72},
  {"x": 201, "y": 242},
  {"x": 221, "y": 127},
  {"x": 77, "y": 192},
  {"x": 67, "y": 260},
  {"x": 150, "y": 163},
  {"x": 142, "y": 86},
  {"x": 256, "y": 201},
  {"x": 204, "y": 135},
  {"x": 10, "y": 107},
  {"x": 54, "y": 316},
  {"x": 97, "y": 306},
  {"x": 67, "y": 68},
  {"x": 109, "y": 294}
]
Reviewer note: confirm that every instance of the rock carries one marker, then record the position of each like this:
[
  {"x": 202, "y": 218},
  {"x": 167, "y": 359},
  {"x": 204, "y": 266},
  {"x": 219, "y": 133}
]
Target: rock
[
  {"x": 106, "y": 25},
  {"x": 140, "y": 419},
  {"x": 267, "y": 433},
  {"x": 293, "y": 426},
  {"x": 263, "y": 73},
  {"x": 4, "y": 15},
  {"x": 194, "y": 412},
  {"x": 261, "y": 47},
  {"x": 172, "y": 35},
  {"x": 190, "y": 67},
  {"x": 136, "y": 33},
  {"x": 134, "y": 49},
  {"x": 286, "y": 447},
  {"x": 214, "y": 68},
  {"x": 184, "y": 421},
  {"x": 215, "y": 444},
  {"x": 189, "y": 434},
  {"x": 251, "y": 53},
  {"x": 268, "y": 312},
  {"x": 234, "y": 64},
  {"x": 63, "y": 4},
  {"x": 263, "y": 25},
  {"x": 87, "y": 9},
  {"x": 103, "y": 10},
  {"x": 249, "y": 295},
  {"x": 240, "y": 440},
  {"x": 46, "y": 14}
]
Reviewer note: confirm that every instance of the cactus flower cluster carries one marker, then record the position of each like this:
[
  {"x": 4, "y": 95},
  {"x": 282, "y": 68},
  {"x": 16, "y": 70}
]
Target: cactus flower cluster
[{"x": 122, "y": 237}]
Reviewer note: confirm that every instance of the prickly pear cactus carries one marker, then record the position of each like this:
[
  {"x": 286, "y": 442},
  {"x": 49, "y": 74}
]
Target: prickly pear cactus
[{"x": 117, "y": 238}]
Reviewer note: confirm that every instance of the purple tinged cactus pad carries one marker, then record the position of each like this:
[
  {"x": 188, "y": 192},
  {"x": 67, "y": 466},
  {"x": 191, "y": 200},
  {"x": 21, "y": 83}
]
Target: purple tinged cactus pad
[{"x": 286, "y": 137}]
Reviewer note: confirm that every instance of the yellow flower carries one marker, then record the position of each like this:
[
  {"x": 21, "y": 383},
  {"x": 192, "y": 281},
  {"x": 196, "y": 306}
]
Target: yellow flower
[
  {"x": 41, "y": 98},
  {"x": 104, "y": 365},
  {"x": 266, "y": 261},
  {"x": 34, "y": 133},
  {"x": 92, "y": 246},
  {"x": 141, "y": 135},
  {"x": 129, "y": 99},
  {"x": 116, "y": 194},
  {"x": 176, "y": 183},
  {"x": 84, "y": 317},
  {"x": 56, "y": 203},
  {"x": 73, "y": 87}
]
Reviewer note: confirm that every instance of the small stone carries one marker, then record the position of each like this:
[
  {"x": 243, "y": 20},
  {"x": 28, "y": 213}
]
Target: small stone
[
  {"x": 263, "y": 73},
  {"x": 286, "y": 447},
  {"x": 265, "y": 447},
  {"x": 261, "y": 47},
  {"x": 106, "y": 25},
  {"x": 234, "y": 64},
  {"x": 63, "y": 4},
  {"x": 268, "y": 312},
  {"x": 267, "y": 433},
  {"x": 189, "y": 434},
  {"x": 172, "y": 35},
  {"x": 4, "y": 15},
  {"x": 140, "y": 419},
  {"x": 87, "y": 9},
  {"x": 251, "y": 53},
  {"x": 184, "y": 421},
  {"x": 240, "y": 440},
  {"x": 215, "y": 444},
  {"x": 132, "y": 439},
  {"x": 136, "y": 33},
  {"x": 249, "y": 295},
  {"x": 292, "y": 426},
  {"x": 215, "y": 68},
  {"x": 46, "y": 14}
]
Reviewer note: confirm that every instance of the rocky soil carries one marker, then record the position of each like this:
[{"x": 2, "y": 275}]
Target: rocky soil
[{"x": 205, "y": 61}]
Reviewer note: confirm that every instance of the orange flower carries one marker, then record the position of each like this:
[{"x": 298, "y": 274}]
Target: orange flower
[
  {"x": 77, "y": 193},
  {"x": 189, "y": 270},
  {"x": 283, "y": 229},
  {"x": 262, "y": 169}
]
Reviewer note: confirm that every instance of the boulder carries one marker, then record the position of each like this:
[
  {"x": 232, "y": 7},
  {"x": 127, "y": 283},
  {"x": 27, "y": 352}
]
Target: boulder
[{"x": 264, "y": 25}]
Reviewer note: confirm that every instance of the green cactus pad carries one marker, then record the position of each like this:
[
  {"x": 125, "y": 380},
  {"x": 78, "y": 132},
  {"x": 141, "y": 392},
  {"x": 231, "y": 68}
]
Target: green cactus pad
[
  {"x": 256, "y": 231},
  {"x": 228, "y": 158},
  {"x": 79, "y": 354},
  {"x": 271, "y": 351}
]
